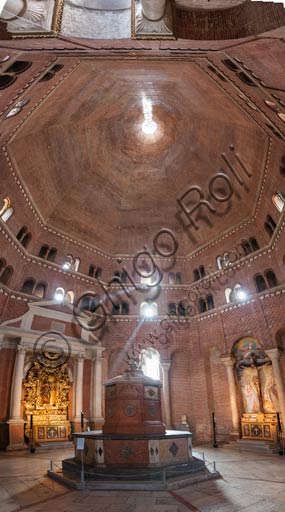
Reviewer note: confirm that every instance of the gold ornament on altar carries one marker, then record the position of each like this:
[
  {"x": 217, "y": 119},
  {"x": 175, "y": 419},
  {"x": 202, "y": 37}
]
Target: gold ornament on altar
[{"x": 46, "y": 398}]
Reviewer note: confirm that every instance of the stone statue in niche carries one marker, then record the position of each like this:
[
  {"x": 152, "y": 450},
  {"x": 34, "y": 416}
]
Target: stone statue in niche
[
  {"x": 268, "y": 389},
  {"x": 255, "y": 376},
  {"x": 249, "y": 384}
]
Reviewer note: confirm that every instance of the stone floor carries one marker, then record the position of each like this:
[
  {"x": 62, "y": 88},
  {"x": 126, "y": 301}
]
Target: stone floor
[{"x": 250, "y": 482}]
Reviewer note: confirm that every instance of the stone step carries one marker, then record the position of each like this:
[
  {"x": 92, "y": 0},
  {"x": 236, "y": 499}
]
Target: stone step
[
  {"x": 60, "y": 445},
  {"x": 255, "y": 446}
]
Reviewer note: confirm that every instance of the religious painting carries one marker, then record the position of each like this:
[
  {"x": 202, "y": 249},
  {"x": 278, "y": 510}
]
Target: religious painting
[
  {"x": 62, "y": 432},
  {"x": 52, "y": 432},
  {"x": 256, "y": 430},
  {"x": 41, "y": 432},
  {"x": 267, "y": 431}
]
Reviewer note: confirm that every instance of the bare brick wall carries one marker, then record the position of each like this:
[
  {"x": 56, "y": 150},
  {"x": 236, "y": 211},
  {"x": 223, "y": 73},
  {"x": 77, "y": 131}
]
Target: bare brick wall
[{"x": 236, "y": 22}]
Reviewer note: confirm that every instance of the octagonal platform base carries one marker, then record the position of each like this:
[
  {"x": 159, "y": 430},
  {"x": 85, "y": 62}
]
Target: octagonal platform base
[{"x": 134, "y": 462}]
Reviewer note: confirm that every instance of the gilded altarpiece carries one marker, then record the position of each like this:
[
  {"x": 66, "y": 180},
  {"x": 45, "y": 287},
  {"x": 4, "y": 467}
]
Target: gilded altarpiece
[
  {"x": 259, "y": 398},
  {"x": 46, "y": 399}
]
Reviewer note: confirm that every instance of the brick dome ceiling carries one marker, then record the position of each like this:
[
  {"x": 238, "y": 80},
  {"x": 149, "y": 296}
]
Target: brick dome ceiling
[{"x": 92, "y": 173}]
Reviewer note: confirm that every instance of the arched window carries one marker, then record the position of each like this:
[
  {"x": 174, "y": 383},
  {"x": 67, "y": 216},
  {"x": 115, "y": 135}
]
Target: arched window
[
  {"x": 60, "y": 294},
  {"x": 270, "y": 225},
  {"x": 220, "y": 260},
  {"x": 84, "y": 303},
  {"x": 117, "y": 274},
  {"x": 28, "y": 286},
  {"x": 178, "y": 278},
  {"x": 46, "y": 77},
  {"x": 282, "y": 166},
  {"x": 51, "y": 73},
  {"x": 23, "y": 231},
  {"x": 93, "y": 304},
  {"x": 171, "y": 278},
  {"x": 278, "y": 200},
  {"x": 76, "y": 263},
  {"x": 271, "y": 279},
  {"x": 56, "y": 68},
  {"x": 254, "y": 244},
  {"x": 116, "y": 309},
  {"x": 202, "y": 271},
  {"x": 69, "y": 297},
  {"x": 226, "y": 260},
  {"x": 182, "y": 310},
  {"x": 125, "y": 308},
  {"x": 260, "y": 284},
  {"x": 246, "y": 247},
  {"x": 202, "y": 305},
  {"x": 91, "y": 272},
  {"x": 40, "y": 290},
  {"x": 2, "y": 264},
  {"x": 68, "y": 263},
  {"x": 148, "y": 309},
  {"x": 210, "y": 302},
  {"x": 23, "y": 236},
  {"x": 150, "y": 363},
  {"x": 172, "y": 309},
  {"x": 236, "y": 291},
  {"x": 19, "y": 66},
  {"x": 124, "y": 277},
  {"x": 196, "y": 274},
  {"x": 6, "y": 81},
  {"x": 7, "y": 214},
  {"x": 52, "y": 254},
  {"x": 43, "y": 251},
  {"x": 6, "y": 275},
  {"x": 26, "y": 240},
  {"x": 98, "y": 273},
  {"x": 228, "y": 295},
  {"x": 230, "y": 64},
  {"x": 246, "y": 79}
]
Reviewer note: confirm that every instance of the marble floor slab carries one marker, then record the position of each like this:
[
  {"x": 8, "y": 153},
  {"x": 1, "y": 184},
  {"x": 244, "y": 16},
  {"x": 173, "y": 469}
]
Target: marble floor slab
[{"x": 250, "y": 482}]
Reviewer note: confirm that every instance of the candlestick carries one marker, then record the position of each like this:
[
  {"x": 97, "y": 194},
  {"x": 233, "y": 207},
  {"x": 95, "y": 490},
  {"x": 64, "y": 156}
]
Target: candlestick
[{"x": 82, "y": 419}]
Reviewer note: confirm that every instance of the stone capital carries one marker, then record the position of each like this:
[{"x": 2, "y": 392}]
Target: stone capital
[
  {"x": 165, "y": 365},
  {"x": 21, "y": 349},
  {"x": 227, "y": 361},
  {"x": 273, "y": 353},
  {"x": 97, "y": 355}
]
